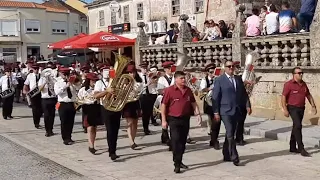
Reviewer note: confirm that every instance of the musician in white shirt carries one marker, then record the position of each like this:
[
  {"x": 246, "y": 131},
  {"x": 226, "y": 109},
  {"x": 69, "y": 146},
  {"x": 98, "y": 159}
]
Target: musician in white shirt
[
  {"x": 148, "y": 96},
  {"x": 7, "y": 82},
  {"x": 91, "y": 109},
  {"x": 110, "y": 118},
  {"x": 66, "y": 93},
  {"x": 84, "y": 71},
  {"x": 31, "y": 89},
  {"x": 49, "y": 99}
]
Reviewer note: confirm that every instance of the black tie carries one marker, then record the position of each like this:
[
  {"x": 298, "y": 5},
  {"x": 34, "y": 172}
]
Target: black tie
[
  {"x": 37, "y": 77},
  {"x": 170, "y": 79},
  {"x": 9, "y": 83},
  {"x": 69, "y": 92},
  {"x": 145, "y": 81}
]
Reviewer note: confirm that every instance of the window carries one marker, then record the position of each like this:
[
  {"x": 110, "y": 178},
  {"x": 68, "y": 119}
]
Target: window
[
  {"x": 9, "y": 52},
  {"x": 76, "y": 28},
  {"x": 126, "y": 14},
  {"x": 9, "y": 28},
  {"x": 175, "y": 7},
  {"x": 140, "y": 11},
  {"x": 101, "y": 18},
  {"x": 81, "y": 29},
  {"x": 59, "y": 27},
  {"x": 113, "y": 17},
  {"x": 32, "y": 26},
  {"x": 198, "y": 5}
]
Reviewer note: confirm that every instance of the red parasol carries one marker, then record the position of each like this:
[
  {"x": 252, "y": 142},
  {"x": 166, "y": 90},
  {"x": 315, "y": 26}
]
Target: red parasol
[
  {"x": 100, "y": 39},
  {"x": 61, "y": 44}
]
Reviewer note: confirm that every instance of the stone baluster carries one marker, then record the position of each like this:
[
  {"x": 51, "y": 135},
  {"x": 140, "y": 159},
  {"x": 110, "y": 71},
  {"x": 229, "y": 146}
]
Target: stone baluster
[
  {"x": 141, "y": 41},
  {"x": 305, "y": 53},
  {"x": 237, "y": 51}
]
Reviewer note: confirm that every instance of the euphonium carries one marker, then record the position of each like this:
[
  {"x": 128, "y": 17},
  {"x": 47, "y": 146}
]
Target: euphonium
[
  {"x": 89, "y": 99},
  {"x": 122, "y": 84}
]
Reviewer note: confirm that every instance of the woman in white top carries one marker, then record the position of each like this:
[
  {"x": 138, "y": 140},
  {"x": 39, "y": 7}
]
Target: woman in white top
[
  {"x": 132, "y": 110},
  {"x": 213, "y": 32},
  {"x": 91, "y": 108}
]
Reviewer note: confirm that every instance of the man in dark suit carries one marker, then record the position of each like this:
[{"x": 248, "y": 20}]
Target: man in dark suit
[{"x": 230, "y": 98}]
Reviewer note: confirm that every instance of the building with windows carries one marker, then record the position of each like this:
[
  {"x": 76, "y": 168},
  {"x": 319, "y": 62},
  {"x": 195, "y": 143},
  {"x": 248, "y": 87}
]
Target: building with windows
[
  {"x": 27, "y": 28},
  {"x": 79, "y": 5},
  {"x": 159, "y": 12}
]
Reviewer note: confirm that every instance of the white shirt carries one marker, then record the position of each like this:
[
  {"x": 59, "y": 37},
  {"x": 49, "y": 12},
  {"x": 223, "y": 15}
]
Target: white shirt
[
  {"x": 85, "y": 93},
  {"x": 31, "y": 80},
  {"x": 44, "y": 91},
  {"x": 152, "y": 87},
  {"x": 61, "y": 91},
  {"x": 203, "y": 83},
  {"x": 4, "y": 82},
  {"x": 163, "y": 83},
  {"x": 272, "y": 21},
  {"x": 100, "y": 86},
  {"x": 232, "y": 80}
]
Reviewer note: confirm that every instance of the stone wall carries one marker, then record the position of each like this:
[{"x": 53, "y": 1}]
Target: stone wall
[{"x": 277, "y": 55}]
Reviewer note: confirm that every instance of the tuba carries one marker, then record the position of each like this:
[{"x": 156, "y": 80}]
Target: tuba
[
  {"x": 122, "y": 84},
  {"x": 248, "y": 77}
]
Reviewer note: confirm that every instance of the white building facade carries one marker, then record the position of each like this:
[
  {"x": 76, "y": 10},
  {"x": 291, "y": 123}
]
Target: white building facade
[{"x": 27, "y": 29}]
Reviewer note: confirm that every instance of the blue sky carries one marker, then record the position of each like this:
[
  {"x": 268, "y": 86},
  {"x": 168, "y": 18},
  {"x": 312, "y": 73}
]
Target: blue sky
[{"x": 40, "y": 1}]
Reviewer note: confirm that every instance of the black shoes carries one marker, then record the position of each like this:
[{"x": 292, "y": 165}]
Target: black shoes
[
  {"x": 49, "y": 134},
  {"x": 303, "y": 152},
  {"x": 215, "y": 145},
  {"x": 92, "y": 150},
  {"x": 241, "y": 143},
  {"x": 8, "y": 117},
  {"x": 113, "y": 157},
  {"x": 68, "y": 142},
  {"x": 190, "y": 141},
  {"x": 134, "y": 146},
  {"x": 236, "y": 162},
  {"x": 147, "y": 132},
  {"x": 37, "y": 126},
  {"x": 177, "y": 169}
]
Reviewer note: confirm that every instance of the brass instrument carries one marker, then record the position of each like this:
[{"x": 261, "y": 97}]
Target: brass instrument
[
  {"x": 9, "y": 92},
  {"x": 89, "y": 99},
  {"x": 122, "y": 84},
  {"x": 248, "y": 77},
  {"x": 48, "y": 74}
]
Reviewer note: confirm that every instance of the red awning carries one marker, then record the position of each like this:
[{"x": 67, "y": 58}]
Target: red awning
[
  {"x": 100, "y": 39},
  {"x": 61, "y": 44}
]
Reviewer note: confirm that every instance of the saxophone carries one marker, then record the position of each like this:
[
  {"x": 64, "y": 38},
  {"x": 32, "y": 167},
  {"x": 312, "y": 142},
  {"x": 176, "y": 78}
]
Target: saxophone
[{"x": 122, "y": 84}]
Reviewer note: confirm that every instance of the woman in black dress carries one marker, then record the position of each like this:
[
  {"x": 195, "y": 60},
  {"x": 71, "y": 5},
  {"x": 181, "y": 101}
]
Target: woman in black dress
[
  {"x": 132, "y": 110},
  {"x": 91, "y": 109}
]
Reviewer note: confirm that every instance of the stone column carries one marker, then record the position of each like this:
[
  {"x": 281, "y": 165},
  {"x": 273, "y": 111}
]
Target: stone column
[
  {"x": 184, "y": 34},
  {"x": 141, "y": 40},
  {"x": 315, "y": 38},
  {"x": 237, "y": 50}
]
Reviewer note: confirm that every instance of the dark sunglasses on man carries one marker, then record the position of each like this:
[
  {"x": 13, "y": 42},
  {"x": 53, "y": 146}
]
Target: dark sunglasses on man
[
  {"x": 230, "y": 66},
  {"x": 300, "y": 73}
]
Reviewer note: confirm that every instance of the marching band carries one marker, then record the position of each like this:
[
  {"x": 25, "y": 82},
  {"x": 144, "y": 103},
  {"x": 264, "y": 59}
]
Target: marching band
[{"x": 128, "y": 92}]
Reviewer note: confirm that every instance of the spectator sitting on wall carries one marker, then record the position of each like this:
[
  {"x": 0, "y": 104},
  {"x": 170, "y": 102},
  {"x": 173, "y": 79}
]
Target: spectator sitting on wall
[
  {"x": 262, "y": 16},
  {"x": 253, "y": 24},
  {"x": 272, "y": 21},
  {"x": 223, "y": 28},
  {"x": 230, "y": 30},
  {"x": 213, "y": 32},
  {"x": 308, "y": 8},
  {"x": 170, "y": 34},
  {"x": 287, "y": 19}
]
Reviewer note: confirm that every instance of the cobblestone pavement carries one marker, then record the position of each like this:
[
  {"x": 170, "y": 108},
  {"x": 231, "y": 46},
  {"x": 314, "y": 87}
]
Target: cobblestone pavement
[
  {"x": 261, "y": 159},
  {"x": 17, "y": 162}
]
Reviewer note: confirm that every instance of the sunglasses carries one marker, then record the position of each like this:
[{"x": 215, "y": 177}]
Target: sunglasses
[
  {"x": 300, "y": 73},
  {"x": 230, "y": 66},
  {"x": 211, "y": 72}
]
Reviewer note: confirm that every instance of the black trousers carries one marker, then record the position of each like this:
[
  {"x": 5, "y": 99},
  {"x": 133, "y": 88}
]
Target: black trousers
[
  {"x": 229, "y": 147},
  {"x": 147, "y": 102},
  {"x": 7, "y": 106},
  {"x": 112, "y": 123},
  {"x": 17, "y": 94},
  {"x": 240, "y": 126},
  {"x": 179, "y": 130},
  {"x": 36, "y": 108},
  {"x": 49, "y": 112},
  {"x": 296, "y": 114},
  {"x": 215, "y": 130},
  {"x": 67, "y": 113}
]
